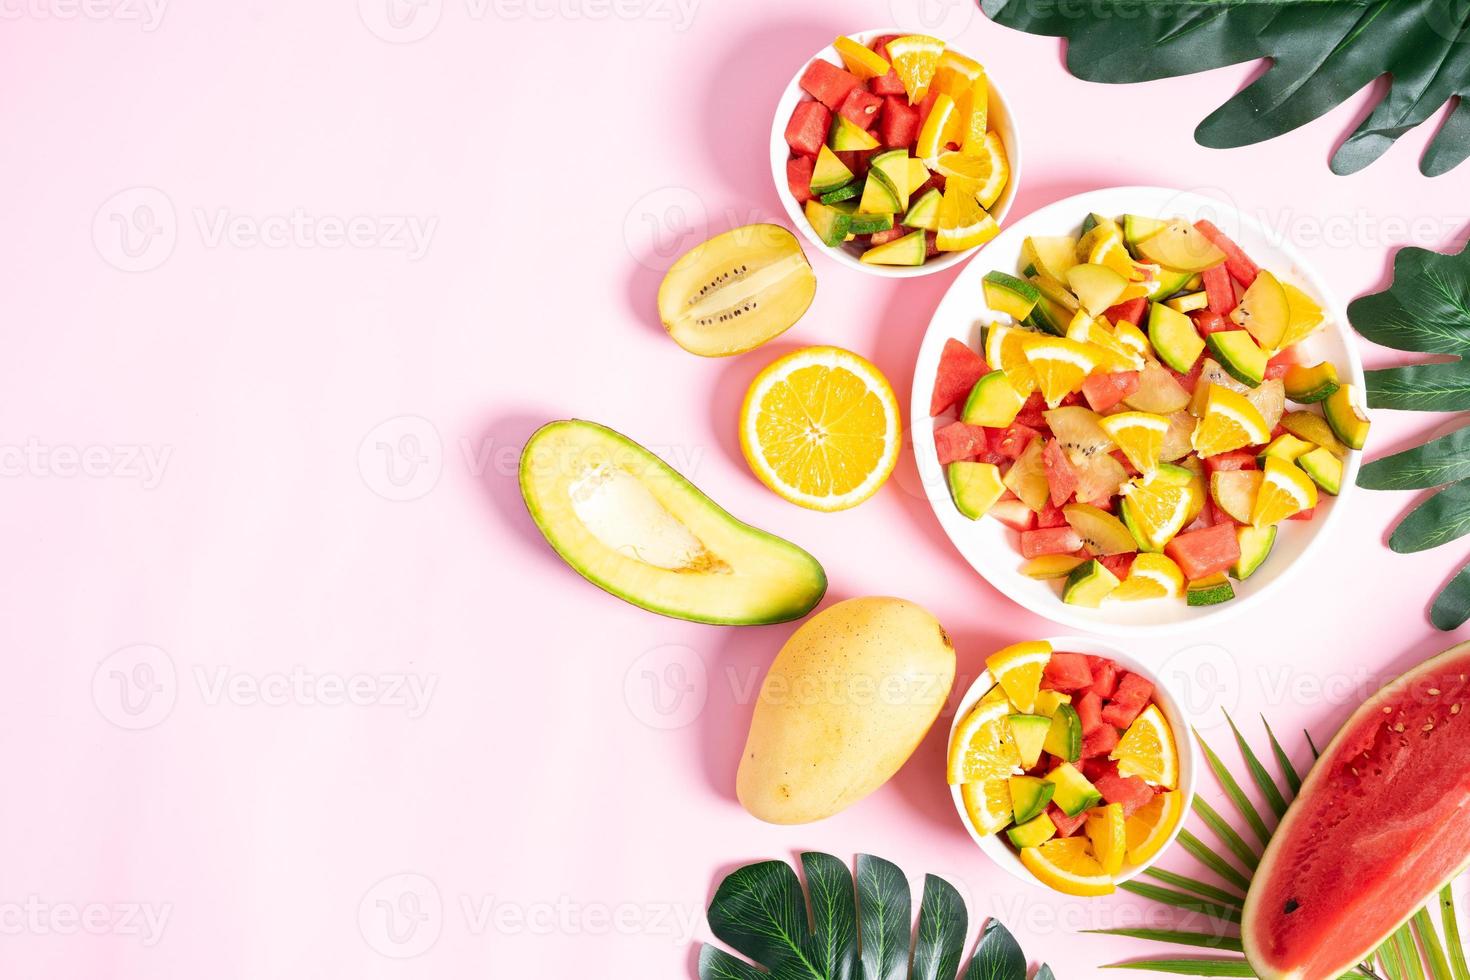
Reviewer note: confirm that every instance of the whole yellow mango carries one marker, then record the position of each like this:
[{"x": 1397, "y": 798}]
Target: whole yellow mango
[{"x": 846, "y": 702}]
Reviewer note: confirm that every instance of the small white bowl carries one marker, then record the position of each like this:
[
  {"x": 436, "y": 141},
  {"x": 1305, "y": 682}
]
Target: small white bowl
[
  {"x": 1001, "y": 120},
  {"x": 990, "y": 547},
  {"x": 994, "y": 846}
]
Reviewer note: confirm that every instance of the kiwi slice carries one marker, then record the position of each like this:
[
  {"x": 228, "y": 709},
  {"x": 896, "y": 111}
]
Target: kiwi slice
[{"x": 1101, "y": 532}]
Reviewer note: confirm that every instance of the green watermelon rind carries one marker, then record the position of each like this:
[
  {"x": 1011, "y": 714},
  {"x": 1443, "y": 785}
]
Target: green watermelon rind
[{"x": 1252, "y": 916}]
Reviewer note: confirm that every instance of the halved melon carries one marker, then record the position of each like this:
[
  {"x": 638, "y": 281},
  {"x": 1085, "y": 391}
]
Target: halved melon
[
  {"x": 1377, "y": 829},
  {"x": 633, "y": 526}
]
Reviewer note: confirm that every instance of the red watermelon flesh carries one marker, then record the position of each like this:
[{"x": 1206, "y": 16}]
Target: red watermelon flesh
[
  {"x": 1131, "y": 791},
  {"x": 1103, "y": 391},
  {"x": 828, "y": 84},
  {"x": 1104, "y": 676},
  {"x": 1378, "y": 827},
  {"x": 1240, "y": 459},
  {"x": 1012, "y": 441},
  {"x": 799, "y": 177},
  {"x": 1208, "y": 322},
  {"x": 1033, "y": 412},
  {"x": 958, "y": 441},
  {"x": 1066, "y": 672},
  {"x": 1119, "y": 565},
  {"x": 1049, "y": 541},
  {"x": 959, "y": 369},
  {"x": 889, "y": 84},
  {"x": 1208, "y": 551},
  {"x": 1066, "y": 826},
  {"x": 1099, "y": 742},
  {"x": 1218, "y": 291},
  {"x": 1061, "y": 478},
  {"x": 1128, "y": 701},
  {"x": 1050, "y": 516},
  {"x": 898, "y": 126},
  {"x": 861, "y": 107},
  {"x": 1241, "y": 268},
  {"x": 1089, "y": 712},
  {"x": 884, "y": 237},
  {"x": 807, "y": 129},
  {"x": 1277, "y": 366},
  {"x": 1132, "y": 311}
]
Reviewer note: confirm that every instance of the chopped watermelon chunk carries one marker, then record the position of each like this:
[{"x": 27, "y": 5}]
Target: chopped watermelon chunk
[
  {"x": 1099, "y": 742},
  {"x": 1277, "y": 366},
  {"x": 807, "y": 129},
  {"x": 1133, "y": 311},
  {"x": 1089, "y": 712},
  {"x": 1303, "y": 515},
  {"x": 1104, "y": 676},
  {"x": 1066, "y": 671},
  {"x": 1096, "y": 767},
  {"x": 1208, "y": 322},
  {"x": 1241, "y": 268},
  {"x": 1012, "y": 441},
  {"x": 958, "y": 441},
  {"x": 884, "y": 237},
  {"x": 1239, "y": 459},
  {"x": 1103, "y": 391},
  {"x": 1119, "y": 565},
  {"x": 1129, "y": 791},
  {"x": 1066, "y": 826},
  {"x": 898, "y": 126},
  {"x": 1128, "y": 702},
  {"x": 828, "y": 84},
  {"x": 1061, "y": 478},
  {"x": 926, "y": 105},
  {"x": 959, "y": 369},
  {"x": 799, "y": 177},
  {"x": 861, "y": 107},
  {"x": 856, "y": 160},
  {"x": 1049, "y": 541},
  {"x": 1032, "y": 413},
  {"x": 889, "y": 84},
  {"x": 1050, "y": 516},
  {"x": 1218, "y": 291}
]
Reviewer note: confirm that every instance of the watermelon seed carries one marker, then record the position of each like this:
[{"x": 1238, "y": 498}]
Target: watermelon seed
[
  {"x": 1454, "y": 709},
  {"x": 1434, "y": 691},
  {"x": 1388, "y": 711},
  {"x": 1399, "y": 727},
  {"x": 1429, "y": 727}
]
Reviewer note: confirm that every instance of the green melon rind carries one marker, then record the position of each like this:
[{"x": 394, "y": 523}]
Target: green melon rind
[{"x": 1252, "y": 919}]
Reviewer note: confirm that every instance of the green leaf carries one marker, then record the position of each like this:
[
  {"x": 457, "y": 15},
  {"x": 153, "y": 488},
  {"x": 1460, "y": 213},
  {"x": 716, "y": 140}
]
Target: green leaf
[
  {"x": 1232, "y": 789},
  {"x": 760, "y": 911},
  {"x": 1439, "y": 967},
  {"x": 1440, "y": 519},
  {"x": 1226, "y": 833},
  {"x": 1426, "y": 310},
  {"x": 1437, "y": 462},
  {"x": 1316, "y": 752},
  {"x": 1206, "y": 967},
  {"x": 1181, "y": 900},
  {"x": 885, "y": 918},
  {"x": 997, "y": 956},
  {"x": 1403, "y": 940},
  {"x": 1212, "y": 860},
  {"x": 1198, "y": 887},
  {"x": 1043, "y": 972},
  {"x": 1258, "y": 772},
  {"x": 1202, "y": 940},
  {"x": 1452, "y": 933},
  {"x": 1321, "y": 52},
  {"x": 941, "y": 936},
  {"x": 1288, "y": 771},
  {"x": 834, "y": 916},
  {"x": 1452, "y": 606},
  {"x": 1421, "y": 387}
]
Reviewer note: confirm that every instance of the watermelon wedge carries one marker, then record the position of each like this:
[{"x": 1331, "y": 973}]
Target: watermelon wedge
[{"x": 1377, "y": 829}]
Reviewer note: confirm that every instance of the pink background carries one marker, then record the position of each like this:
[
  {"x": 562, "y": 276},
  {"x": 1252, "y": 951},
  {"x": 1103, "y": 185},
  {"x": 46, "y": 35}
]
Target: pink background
[{"x": 333, "y": 427}]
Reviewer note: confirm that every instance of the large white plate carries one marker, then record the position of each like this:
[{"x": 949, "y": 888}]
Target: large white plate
[{"x": 990, "y": 546}]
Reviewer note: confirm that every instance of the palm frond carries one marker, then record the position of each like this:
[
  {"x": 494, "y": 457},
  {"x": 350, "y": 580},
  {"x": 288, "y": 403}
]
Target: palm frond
[
  {"x": 1288, "y": 771},
  {"x": 1201, "y": 940},
  {"x": 1212, "y": 860},
  {"x": 1258, "y": 772},
  {"x": 1451, "y": 926},
  {"x": 1232, "y": 789}
]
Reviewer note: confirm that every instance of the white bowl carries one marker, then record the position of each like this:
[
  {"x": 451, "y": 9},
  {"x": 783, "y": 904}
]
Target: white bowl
[
  {"x": 1001, "y": 120},
  {"x": 989, "y": 546},
  {"x": 995, "y": 847}
]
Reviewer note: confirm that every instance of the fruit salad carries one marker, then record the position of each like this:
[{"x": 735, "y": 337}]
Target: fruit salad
[
  {"x": 1070, "y": 756},
  {"x": 892, "y": 157},
  {"x": 1144, "y": 421}
]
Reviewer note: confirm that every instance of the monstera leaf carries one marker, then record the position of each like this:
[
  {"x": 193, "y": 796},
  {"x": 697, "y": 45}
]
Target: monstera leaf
[
  {"x": 1439, "y": 954},
  {"x": 760, "y": 911},
  {"x": 1321, "y": 53},
  {"x": 1425, "y": 310}
]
